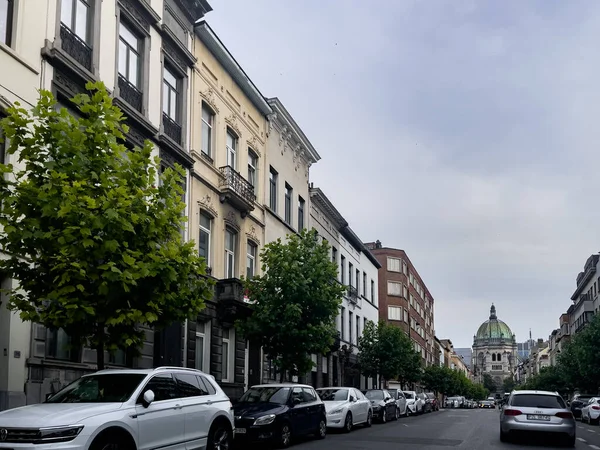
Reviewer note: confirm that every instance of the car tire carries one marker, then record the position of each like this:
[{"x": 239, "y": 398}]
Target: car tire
[
  {"x": 219, "y": 437},
  {"x": 571, "y": 441},
  {"x": 285, "y": 435},
  {"x": 503, "y": 436},
  {"x": 348, "y": 423},
  {"x": 111, "y": 442},
  {"x": 369, "y": 421},
  {"x": 384, "y": 416},
  {"x": 594, "y": 421},
  {"x": 321, "y": 432}
]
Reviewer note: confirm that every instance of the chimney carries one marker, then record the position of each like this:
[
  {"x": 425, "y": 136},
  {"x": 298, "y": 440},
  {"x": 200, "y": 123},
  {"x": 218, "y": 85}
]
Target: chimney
[{"x": 377, "y": 243}]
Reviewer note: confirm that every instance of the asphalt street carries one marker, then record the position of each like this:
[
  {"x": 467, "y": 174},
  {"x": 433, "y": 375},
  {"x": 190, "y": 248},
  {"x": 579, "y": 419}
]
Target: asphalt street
[{"x": 460, "y": 429}]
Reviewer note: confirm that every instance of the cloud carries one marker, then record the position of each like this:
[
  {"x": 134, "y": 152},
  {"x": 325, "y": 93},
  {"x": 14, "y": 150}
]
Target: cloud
[{"x": 463, "y": 132}]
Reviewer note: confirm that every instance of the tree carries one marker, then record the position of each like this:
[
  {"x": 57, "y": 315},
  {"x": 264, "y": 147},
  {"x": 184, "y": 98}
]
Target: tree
[
  {"x": 508, "y": 384},
  {"x": 489, "y": 383},
  {"x": 296, "y": 301},
  {"x": 434, "y": 378},
  {"x": 95, "y": 245}
]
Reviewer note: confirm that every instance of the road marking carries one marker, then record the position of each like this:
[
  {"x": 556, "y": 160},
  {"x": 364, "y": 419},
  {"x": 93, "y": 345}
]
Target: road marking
[
  {"x": 591, "y": 431},
  {"x": 595, "y": 447},
  {"x": 581, "y": 439}
]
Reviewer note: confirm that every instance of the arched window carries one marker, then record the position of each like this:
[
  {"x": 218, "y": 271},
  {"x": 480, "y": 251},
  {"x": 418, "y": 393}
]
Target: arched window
[
  {"x": 494, "y": 357},
  {"x": 499, "y": 357}
]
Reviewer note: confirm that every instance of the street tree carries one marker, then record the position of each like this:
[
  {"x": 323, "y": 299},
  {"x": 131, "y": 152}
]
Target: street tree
[
  {"x": 295, "y": 302},
  {"x": 91, "y": 236},
  {"x": 489, "y": 383},
  {"x": 508, "y": 384}
]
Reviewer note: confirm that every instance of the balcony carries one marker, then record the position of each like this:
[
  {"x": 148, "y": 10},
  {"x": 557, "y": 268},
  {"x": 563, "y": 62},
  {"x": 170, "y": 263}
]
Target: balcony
[
  {"x": 236, "y": 191},
  {"x": 132, "y": 95},
  {"x": 75, "y": 47},
  {"x": 230, "y": 301},
  {"x": 352, "y": 295},
  {"x": 172, "y": 129}
]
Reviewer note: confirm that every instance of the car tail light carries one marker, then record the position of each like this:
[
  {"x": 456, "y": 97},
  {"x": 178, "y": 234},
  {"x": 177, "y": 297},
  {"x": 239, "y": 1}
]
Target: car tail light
[
  {"x": 512, "y": 412},
  {"x": 564, "y": 415},
  {"x": 596, "y": 407}
]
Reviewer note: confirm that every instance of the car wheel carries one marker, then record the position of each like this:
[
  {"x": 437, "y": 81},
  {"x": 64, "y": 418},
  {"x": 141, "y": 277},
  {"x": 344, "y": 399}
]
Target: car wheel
[
  {"x": 369, "y": 421},
  {"x": 594, "y": 421},
  {"x": 285, "y": 435},
  {"x": 219, "y": 438},
  {"x": 397, "y": 416},
  {"x": 571, "y": 440},
  {"x": 348, "y": 423},
  {"x": 322, "y": 430},
  {"x": 109, "y": 443},
  {"x": 503, "y": 436}
]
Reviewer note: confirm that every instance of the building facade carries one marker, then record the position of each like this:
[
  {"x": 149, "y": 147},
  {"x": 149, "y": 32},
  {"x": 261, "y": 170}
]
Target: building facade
[
  {"x": 405, "y": 300},
  {"x": 494, "y": 350},
  {"x": 585, "y": 298},
  {"x": 143, "y": 53},
  {"x": 358, "y": 270}
]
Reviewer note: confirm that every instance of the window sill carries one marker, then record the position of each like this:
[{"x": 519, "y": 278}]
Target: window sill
[{"x": 11, "y": 52}]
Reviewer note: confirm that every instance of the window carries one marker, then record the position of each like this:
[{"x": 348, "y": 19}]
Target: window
[
  {"x": 273, "y": 189},
  {"x": 171, "y": 95},
  {"x": 394, "y": 313},
  {"x": 251, "y": 259},
  {"x": 163, "y": 386},
  {"x": 494, "y": 357},
  {"x": 357, "y": 280},
  {"x": 289, "y": 193},
  {"x": 227, "y": 355},
  {"x": 350, "y": 326},
  {"x": 129, "y": 56},
  {"x": 404, "y": 291},
  {"x": 58, "y": 345},
  {"x": 373, "y": 291},
  {"x": 300, "y": 214},
  {"x": 364, "y": 286},
  {"x": 411, "y": 279},
  {"x": 496, "y": 366},
  {"x": 189, "y": 385},
  {"x": 350, "y": 272},
  {"x": 208, "y": 119},
  {"x": 75, "y": 15},
  {"x": 118, "y": 358},
  {"x": 405, "y": 315},
  {"x": 394, "y": 288},
  {"x": 6, "y": 21},
  {"x": 3, "y": 146},
  {"x": 230, "y": 244},
  {"x": 357, "y": 328},
  {"x": 342, "y": 322},
  {"x": 231, "y": 147},
  {"x": 202, "y": 346},
  {"x": 404, "y": 268},
  {"x": 343, "y": 269},
  {"x": 334, "y": 255},
  {"x": 365, "y": 321},
  {"x": 252, "y": 166},
  {"x": 204, "y": 242},
  {"x": 393, "y": 264}
]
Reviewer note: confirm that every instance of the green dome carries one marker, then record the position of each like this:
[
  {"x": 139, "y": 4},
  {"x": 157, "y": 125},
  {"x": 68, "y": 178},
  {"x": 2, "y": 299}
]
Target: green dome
[{"x": 493, "y": 329}]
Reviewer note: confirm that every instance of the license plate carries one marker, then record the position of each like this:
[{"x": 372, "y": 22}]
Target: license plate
[
  {"x": 537, "y": 417},
  {"x": 240, "y": 431}
]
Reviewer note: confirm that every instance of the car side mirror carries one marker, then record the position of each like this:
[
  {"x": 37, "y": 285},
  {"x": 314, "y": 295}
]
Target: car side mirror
[
  {"x": 387, "y": 399},
  {"x": 352, "y": 399},
  {"x": 148, "y": 398}
]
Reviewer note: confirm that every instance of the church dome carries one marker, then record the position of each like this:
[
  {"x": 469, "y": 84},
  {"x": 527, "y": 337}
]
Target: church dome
[{"x": 493, "y": 330}]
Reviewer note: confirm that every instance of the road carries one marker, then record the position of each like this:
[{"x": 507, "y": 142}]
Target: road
[{"x": 476, "y": 429}]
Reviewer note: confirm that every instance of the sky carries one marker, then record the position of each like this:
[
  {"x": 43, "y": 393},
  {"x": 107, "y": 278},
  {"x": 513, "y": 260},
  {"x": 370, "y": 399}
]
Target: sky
[{"x": 464, "y": 132}]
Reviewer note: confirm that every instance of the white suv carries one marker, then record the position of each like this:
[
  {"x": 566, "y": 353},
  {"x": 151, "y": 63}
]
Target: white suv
[{"x": 125, "y": 410}]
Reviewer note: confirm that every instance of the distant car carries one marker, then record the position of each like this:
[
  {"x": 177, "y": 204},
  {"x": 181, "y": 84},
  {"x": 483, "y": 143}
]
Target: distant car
[
  {"x": 383, "y": 404},
  {"x": 346, "y": 407},
  {"x": 590, "y": 412},
  {"x": 487, "y": 404},
  {"x": 427, "y": 406},
  {"x": 278, "y": 413},
  {"x": 401, "y": 403},
  {"x": 578, "y": 402},
  {"x": 453, "y": 402},
  {"x": 537, "y": 412},
  {"x": 413, "y": 402}
]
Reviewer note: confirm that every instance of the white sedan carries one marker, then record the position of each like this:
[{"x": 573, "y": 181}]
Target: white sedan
[
  {"x": 590, "y": 412},
  {"x": 346, "y": 407}
]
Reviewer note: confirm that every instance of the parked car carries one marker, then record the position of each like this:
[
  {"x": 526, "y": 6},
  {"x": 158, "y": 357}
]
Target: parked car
[
  {"x": 153, "y": 408},
  {"x": 427, "y": 406},
  {"x": 453, "y": 402},
  {"x": 400, "y": 401},
  {"x": 432, "y": 399},
  {"x": 487, "y": 404},
  {"x": 413, "y": 403},
  {"x": 346, "y": 407},
  {"x": 278, "y": 413},
  {"x": 577, "y": 403},
  {"x": 537, "y": 412},
  {"x": 590, "y": 412},
  {"x": 383, "y": 404}
]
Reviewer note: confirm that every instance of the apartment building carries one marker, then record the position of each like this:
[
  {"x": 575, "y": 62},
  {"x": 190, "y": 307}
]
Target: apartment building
[
  {"x": 405, "y": 300},
  {"x": 586, "y": 300},
  {"x": 358, "y": 270},
  {"x": 142, "y": 51}
]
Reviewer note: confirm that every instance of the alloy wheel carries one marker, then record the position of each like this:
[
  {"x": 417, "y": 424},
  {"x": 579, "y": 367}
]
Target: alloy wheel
[
  {"x": 221, "y": 440},
  {"x": 369, "y": 419},
  {"x": 286, "y": 435},
  {"x": 348, "y": 423},
  {"x": 323, "y": 429}
]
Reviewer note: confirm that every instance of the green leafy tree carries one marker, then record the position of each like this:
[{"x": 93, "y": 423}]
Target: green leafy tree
[
  {"x": 508, "y": 384},
  {"x": 93, "y": 240},
  {"x": 297, "y": 300},
  {"x": 489, "y": 383}
]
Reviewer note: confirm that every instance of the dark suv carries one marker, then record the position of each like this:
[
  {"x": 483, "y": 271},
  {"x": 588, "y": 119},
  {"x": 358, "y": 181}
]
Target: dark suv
[{"x": 578, "y": 402}]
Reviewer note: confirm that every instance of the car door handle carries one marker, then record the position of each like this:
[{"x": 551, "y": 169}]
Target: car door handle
[
  {"x": 209, "y": 402},
  {"x": 178, "y": 407}
]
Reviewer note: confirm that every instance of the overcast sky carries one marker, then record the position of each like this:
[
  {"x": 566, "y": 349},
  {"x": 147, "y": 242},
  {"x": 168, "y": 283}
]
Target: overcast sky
[{"x": 464, "y": 132}]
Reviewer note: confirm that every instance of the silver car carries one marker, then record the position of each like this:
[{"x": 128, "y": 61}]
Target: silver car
[
  {"x": 536, "y": 412},
  {"x": 400, "y": 401}
]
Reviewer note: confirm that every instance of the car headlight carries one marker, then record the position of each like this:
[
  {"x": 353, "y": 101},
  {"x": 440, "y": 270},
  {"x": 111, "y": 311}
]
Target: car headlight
[
  {"x": 336, "y": 411},
  {"x": 265, "y": 420},
  {"x": 59, "y": 434}
]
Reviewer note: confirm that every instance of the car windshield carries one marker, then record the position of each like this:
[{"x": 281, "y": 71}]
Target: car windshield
[
  {"x": 583, "y": 398},
  {"x": 374, "y": 395},
  {"x": 333, "y": 395},
  {"x": 538, "y": 401},
  {"x": 276, "y": 394},
  {"x": 108, "y": 388},
  {"x": 408, "y": 395}
]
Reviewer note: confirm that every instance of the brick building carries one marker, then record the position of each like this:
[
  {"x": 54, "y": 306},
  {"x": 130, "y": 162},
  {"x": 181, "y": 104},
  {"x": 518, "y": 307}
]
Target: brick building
[{"x": 404, "y": 299}]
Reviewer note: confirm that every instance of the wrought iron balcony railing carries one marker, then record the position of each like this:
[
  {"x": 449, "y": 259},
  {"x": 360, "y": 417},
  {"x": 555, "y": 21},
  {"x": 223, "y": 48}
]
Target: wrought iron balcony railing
[
  {"x": 76, "y": 47},
  {"x": 236, "y": 190},
  {"x": 132, "y": 95},
  {"x": 352, "y": 294},
  {"x": 172, "y": 128}
]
